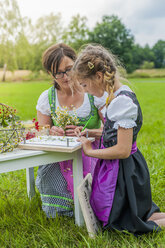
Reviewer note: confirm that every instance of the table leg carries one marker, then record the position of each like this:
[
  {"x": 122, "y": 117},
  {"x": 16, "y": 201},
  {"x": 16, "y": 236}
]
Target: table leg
[
  {"x": 77, "y": 178},
  {"x": 30, "y": 182}
]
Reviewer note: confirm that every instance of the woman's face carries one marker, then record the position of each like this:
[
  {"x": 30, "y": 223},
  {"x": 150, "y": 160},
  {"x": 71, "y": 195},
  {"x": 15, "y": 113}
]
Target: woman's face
[
  {"x": 62, "y": 76},
  {"x": 93, "y": 86}
]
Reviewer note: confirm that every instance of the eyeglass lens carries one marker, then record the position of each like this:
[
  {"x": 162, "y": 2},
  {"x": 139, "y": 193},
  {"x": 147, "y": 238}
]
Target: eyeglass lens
[{"x": 61, "y": 74}]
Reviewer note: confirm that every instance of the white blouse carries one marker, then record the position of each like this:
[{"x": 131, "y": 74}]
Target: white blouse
[
  {"x": 122, "y": 110},
  {"x": 84, "y": 110}
]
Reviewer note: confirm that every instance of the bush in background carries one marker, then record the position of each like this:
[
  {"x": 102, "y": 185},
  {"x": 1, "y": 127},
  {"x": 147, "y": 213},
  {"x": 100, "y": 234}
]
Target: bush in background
[{"x": 147, "y": 73}]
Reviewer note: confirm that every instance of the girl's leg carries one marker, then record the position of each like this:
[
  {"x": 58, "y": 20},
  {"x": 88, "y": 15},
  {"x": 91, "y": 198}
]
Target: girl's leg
[
  {"x": 160, "y": 222},
  {"x": 158, "y": 218}
]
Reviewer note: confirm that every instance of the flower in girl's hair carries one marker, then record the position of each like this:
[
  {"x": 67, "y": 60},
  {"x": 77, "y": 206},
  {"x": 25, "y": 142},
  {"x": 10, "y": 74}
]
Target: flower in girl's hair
[{"x": 64, "y": 117}]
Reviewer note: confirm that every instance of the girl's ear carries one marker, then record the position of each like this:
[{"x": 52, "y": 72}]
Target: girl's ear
[{"x": 99, "y": 75}]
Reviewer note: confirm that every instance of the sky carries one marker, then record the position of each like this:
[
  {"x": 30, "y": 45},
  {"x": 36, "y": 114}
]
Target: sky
[{"x": 144, "y": 18}]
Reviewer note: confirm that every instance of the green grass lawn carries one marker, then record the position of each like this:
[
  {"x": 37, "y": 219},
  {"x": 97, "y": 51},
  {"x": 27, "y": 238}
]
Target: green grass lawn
[
  {"x": 23, "y": 224},
  {"x": 23, "y": 96}
]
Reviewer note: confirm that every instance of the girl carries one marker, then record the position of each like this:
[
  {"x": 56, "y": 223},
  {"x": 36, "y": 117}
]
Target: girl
[
  {"x": 121, "y": 193},
  {"x": 55, "y": 181}
]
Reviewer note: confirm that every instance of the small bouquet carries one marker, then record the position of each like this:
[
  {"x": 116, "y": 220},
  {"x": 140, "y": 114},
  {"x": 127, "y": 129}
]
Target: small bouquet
[
  {"x": 11, "y": 130},
  {"x": 64, "y": 117}
]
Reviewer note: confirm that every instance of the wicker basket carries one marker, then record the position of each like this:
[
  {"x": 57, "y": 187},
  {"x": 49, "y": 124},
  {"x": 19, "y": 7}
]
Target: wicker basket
[{"x": 11, "y": 130}]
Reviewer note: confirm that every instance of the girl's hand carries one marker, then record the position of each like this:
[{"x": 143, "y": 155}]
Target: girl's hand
[
  {"x": 57, "y": 131},
  {"x": 84, "y": 133},
  {"x": 86, "y": 144}
]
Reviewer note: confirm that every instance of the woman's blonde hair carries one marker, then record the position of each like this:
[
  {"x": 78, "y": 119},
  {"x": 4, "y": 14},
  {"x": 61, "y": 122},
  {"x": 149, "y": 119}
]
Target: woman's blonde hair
[{"x": 94, "y": 58}]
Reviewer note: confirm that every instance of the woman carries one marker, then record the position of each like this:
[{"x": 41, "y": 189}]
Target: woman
[{"x": 55, "y": 181}]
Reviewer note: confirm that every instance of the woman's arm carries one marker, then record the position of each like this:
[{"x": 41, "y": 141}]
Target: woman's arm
[
  {"x": 93, "y": 132},
  {"x": 96, "y": 133},
  {"x": 46, "y": 120},
  {"x": 121, "y": 150}
]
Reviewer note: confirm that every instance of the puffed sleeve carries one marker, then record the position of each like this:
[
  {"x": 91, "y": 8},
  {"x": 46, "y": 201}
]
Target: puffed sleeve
[
  {"x": 123, "y": 111},
  {"x": 43, "y": 104},
  {"x": 100, "y": 102}
]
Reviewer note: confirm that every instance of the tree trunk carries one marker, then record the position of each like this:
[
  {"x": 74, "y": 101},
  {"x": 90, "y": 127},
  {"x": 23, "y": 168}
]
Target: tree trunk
[{"x": 4, "y": 73}]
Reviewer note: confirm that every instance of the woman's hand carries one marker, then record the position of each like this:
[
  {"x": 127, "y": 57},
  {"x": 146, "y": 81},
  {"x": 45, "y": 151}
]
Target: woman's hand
[
  {"x": 70, "y": 130},
  {"x": 86, "y": 144},
  {"x": 78, "y": 131},
  {"x": 57, "y": 131}
]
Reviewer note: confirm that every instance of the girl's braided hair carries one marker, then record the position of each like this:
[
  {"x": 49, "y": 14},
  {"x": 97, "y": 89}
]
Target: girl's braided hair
[{"x": 96, "y": 58}]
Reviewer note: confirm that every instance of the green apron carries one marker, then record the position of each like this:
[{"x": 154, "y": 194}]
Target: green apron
[{"x": 95, "y": 121}]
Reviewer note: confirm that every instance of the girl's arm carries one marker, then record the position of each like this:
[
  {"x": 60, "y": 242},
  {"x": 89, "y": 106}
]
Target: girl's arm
[
  {"x": 96, "y": 132},
  {"x": 121, "y": 150},
  {"x": 91, "y": 132},
  {"x": 46, "y": 120}
]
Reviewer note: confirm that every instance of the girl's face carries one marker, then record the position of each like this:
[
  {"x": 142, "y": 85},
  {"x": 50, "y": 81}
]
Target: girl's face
[
  {"x": 62, "y": 76},
  {"x": 94, "y": 86}
]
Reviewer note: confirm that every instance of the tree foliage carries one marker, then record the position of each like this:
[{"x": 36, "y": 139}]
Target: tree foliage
[
  {"x": 159, "y": 54},
  {"x": 22, "y": 43},
  {"x": 76, "y": 33},
  {"x": 11, "y": 22},
  {"x": 48, "y": 29},
  {"x": 112, "y": 34}
]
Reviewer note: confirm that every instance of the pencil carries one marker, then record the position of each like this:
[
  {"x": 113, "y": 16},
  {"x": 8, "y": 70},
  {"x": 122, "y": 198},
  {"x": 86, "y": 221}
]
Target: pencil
[{"x": 86, "y": 123}]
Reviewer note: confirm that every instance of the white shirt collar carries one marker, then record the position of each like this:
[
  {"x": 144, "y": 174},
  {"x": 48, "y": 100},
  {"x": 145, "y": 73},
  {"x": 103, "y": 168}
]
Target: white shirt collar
[{"x": 123, "y": 87}]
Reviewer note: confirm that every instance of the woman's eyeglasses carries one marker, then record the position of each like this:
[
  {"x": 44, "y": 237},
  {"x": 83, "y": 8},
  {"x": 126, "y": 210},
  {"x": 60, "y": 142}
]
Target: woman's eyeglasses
[{"x": 60, "y": 74}]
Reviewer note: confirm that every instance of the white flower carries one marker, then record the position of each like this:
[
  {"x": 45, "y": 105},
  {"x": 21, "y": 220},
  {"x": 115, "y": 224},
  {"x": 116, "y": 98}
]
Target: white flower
[{"x": 63, "y": 117}]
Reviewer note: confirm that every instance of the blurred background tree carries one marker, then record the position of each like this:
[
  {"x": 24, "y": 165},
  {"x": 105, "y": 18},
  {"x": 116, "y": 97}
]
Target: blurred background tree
[
  {"x": 11, "y": 24},
  {"x": 159, "y": 54},
  {"x": 22, "y": 43},
  {"x": 76, "y": 33},
  {"x": 112, "y": 34}
]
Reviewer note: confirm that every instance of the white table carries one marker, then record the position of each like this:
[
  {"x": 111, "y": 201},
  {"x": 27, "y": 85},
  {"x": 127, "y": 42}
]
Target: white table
[{"x": 28, "y": 159}]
